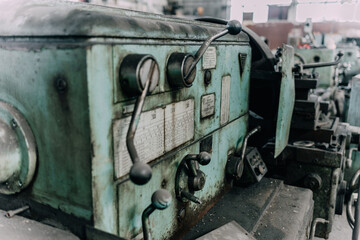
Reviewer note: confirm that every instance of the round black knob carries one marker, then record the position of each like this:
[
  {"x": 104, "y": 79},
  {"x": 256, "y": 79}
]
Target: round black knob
[
  {"x": 140, "y": 173},
  {"x": 161, "y": 199},
  {"x": 204, "y": 158},
  {"x": 234, "y": 27}
]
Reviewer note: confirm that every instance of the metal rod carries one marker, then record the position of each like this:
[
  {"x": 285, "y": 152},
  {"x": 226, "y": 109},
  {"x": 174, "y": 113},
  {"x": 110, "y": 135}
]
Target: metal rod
[
  {"x": 244, "y": 146},
  {"x": 202, "y": 50},
  {"x": 135, "y": 118},
  {"x": 191, "y": 197},
  {"x": 11, "y": 213},
  {"x": 144, "y": 218},
  {"x": 323, "y": 64}
]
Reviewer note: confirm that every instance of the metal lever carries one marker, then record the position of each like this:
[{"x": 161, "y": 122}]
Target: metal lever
[
  {"x": 235, "y": 164},
  {"x": 202, "y": 158},
  {"x": 189, "y": 178},
  {"x": 140, "y": 173},
  {"x": 318, "y": 65},
  {"x": 181, "y": 66},
  {"x": 160, "y": 200},
  {"x": 233, "y": 27}
]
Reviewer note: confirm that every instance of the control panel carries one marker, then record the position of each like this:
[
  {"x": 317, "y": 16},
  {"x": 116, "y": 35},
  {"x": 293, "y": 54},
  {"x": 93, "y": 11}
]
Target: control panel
[{"x": 129, "y": 117}]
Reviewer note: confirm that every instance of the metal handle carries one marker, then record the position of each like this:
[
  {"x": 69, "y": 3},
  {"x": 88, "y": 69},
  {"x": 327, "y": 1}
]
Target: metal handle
[
  {"x": 233, "y": 27},
  {"x": 244, "y": 146},
  {"x": 318, "y": 65},
  {"x": 140, "y": 173},
  {"x": 202, "y": 158},
  {"x": 160, "y": 200}
]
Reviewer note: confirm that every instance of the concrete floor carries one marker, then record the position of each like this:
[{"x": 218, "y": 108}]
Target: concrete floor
[
  {"x": 341, "y": 229},
  {"x": 20, "y": 228}
]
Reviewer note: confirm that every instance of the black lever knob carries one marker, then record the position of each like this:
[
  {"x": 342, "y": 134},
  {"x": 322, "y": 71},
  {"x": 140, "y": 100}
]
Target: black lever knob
[
  {"x": 204, "y": 158},
  {"x": 234, "y": 27},
  {"x": 140, "y": 173}
]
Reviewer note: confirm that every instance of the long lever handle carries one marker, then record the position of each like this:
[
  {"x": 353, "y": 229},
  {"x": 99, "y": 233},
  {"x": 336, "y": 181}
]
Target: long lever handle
[
  {"x": 140, "y": 173},
  {"x": 233, "y": 27}
]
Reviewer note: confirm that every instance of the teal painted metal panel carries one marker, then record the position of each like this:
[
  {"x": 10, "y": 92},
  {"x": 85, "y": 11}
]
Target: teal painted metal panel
[
  {"x": 67, "y": 88},
  {"x": 286, "y": 101},
  {"x": 59, "y": 121},
  {"x": 121, "y": 197}
]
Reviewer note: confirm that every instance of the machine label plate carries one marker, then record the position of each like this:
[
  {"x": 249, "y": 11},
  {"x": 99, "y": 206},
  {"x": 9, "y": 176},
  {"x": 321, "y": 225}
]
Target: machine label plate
[
  {"x": 207, "y": 105},
  {"x": 209, "y": 58},
  {"x": 225, "y": 99},
  {"x": 149, "y": 140},
  {"x": 159, "y": 130},
  {"x": 179, "y": 123}
]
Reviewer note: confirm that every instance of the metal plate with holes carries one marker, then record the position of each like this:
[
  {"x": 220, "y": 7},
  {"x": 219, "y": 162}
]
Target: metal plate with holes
[{"x": 18, "y": 150}]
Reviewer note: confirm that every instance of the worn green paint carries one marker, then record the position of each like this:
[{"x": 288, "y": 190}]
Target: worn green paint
[
  {"x": 73, "y": 128},
  {"x": 110, "y": 198},
  {"x": 59, "y": 121},
  {"x": 286, "y": 100},
  {"x": 326, "y": 74}
]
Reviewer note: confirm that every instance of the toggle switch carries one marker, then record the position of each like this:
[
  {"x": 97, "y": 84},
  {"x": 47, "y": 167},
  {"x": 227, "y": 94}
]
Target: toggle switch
[
  {"x": 139, "y": 75},
  {"x": 181, "y": 67},
  {"x": 160, "y": 200}
]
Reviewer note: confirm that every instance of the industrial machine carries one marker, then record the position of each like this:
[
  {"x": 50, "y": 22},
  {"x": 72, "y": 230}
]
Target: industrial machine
[{"x": 118, "y": 124}]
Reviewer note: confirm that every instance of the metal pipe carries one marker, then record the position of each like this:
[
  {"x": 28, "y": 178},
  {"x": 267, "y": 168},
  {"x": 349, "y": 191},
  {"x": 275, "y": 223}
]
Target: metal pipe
[{"x": 11, "y": 213}]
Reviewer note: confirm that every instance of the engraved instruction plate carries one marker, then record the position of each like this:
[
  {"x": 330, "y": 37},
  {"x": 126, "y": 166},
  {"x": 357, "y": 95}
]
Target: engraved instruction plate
[
  {"x": 225, "y": 99},
  {"x": 209, "y": 58},
  {"x": 159, "y": 130},
  {"x": 179, "y": 123},
  {"x": 149, "y": 140},
  {"x": 207, "y": 105}
]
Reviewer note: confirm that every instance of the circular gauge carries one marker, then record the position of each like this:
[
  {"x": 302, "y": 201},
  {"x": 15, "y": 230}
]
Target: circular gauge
[
  {"x": 135, "y": 70},
  {"x": 177, "y": 68}
]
